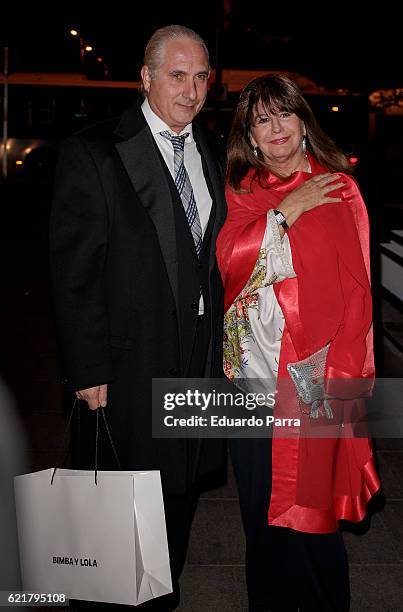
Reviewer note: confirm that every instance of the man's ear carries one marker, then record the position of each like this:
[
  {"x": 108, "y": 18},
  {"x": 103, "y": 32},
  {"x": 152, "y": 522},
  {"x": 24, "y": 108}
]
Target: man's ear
[{"x": 145, "y": 77}]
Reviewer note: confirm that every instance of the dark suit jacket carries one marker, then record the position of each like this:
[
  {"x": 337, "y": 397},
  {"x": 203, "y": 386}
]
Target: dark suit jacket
[{"x": 120, "y": 309}]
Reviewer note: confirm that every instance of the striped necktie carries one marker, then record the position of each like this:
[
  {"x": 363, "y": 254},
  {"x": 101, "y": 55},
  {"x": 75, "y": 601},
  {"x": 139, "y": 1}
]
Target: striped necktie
[{"x": 184, "y": 187}]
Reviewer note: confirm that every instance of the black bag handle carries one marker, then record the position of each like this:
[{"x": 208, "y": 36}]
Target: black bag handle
[
  {"x": 110, "y": 440},
  {"x": 96, "y": 441}
]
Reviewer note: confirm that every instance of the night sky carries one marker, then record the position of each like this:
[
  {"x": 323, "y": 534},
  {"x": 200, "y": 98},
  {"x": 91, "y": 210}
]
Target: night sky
[{"x": 358, "y": 51}]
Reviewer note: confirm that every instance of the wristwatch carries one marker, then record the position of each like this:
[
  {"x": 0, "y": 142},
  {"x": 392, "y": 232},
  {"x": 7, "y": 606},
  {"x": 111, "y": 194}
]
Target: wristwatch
[{"x": 279, "y": 217}]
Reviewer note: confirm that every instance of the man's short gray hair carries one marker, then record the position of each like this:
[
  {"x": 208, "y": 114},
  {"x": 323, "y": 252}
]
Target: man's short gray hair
[{"x": 153, "y": 55}]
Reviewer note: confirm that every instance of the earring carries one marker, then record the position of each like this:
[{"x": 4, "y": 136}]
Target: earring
[
  {"x": 304, "y": 143},
  {"x": 256, "y": 151}
]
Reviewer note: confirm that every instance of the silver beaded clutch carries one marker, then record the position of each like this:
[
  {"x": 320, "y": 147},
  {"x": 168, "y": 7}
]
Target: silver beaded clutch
[{"x": 308, "y": 377}]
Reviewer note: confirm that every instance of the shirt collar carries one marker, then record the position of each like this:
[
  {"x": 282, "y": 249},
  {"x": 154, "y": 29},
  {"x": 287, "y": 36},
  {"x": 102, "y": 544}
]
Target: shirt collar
[{"x": 157, "y": 125}]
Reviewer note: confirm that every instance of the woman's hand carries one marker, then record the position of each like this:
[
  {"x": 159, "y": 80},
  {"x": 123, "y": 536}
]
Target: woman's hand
[{"x": 310, "y": 194}]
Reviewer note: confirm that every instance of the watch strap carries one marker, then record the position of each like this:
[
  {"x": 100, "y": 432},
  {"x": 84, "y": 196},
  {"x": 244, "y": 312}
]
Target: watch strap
[{"x": 281, "y": 220}]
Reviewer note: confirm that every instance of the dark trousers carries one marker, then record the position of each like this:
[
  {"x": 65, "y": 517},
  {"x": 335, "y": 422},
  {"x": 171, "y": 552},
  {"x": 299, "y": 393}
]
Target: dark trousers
[
  {"x": 179, "y": 511},
  {"x": 286, "y": 570}
]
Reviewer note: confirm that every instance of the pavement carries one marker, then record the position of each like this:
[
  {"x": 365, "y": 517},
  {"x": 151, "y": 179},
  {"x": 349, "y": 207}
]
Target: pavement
[{"x": 213, "y": 579}]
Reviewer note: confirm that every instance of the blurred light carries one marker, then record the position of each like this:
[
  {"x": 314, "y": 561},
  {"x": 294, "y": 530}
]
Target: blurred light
[
  {"x": 99, "y": 59},
  {"x": 89, "y": 48},
  {"x": 74, "y": 32},
  {"x": 388, "y": 99},
  {"x": 353, "y": 160},
  {"x": 335, "y": 109},
  {"x": 28, "y": 150},
  {"x": 19, "y": 162}
]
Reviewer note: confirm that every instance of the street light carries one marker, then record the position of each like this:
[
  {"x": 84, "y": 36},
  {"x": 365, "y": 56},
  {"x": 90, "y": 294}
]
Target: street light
[
  {"x": 83, "y": 45},
  {"x": 95, "y": 63}
]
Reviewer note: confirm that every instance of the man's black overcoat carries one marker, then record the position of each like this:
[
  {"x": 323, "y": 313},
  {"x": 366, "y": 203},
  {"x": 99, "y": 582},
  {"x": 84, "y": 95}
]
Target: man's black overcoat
[{"x": 126, "y": 285}]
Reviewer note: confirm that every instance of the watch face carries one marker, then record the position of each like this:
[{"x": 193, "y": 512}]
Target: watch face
[{"x": 280, "y": 219}]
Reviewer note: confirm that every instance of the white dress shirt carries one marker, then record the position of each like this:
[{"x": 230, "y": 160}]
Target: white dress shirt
[
  {"x": 193, "y": 165},
  {"x": 192, "y": 160}
]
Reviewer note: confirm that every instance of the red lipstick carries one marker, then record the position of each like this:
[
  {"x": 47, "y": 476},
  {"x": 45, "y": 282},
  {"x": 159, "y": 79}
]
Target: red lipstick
[{"x": 279, "y": 141}]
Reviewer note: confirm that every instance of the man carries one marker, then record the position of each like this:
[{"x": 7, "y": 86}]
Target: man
[{"x": 138, "y": 205}]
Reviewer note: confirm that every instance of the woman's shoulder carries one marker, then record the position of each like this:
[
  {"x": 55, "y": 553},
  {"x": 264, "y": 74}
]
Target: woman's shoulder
[
  {"x": 349, "y": 194},
  {"x": 341, "y": 220},
  {"x": 348, "y": 179}
]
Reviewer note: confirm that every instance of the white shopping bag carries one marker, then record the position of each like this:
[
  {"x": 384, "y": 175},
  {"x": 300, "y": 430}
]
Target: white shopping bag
[{"x": 98, "y": 542}]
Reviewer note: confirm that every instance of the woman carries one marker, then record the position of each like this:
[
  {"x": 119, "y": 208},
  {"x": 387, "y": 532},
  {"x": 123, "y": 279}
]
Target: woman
[{"x": 293, "y": 255}]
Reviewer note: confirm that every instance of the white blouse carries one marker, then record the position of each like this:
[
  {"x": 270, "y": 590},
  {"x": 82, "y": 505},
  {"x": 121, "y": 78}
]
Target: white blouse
[{"x": 253, "y": 325}]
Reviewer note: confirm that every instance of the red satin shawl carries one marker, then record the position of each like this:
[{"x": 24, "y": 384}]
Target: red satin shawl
[
  {"x": 315, "y": 482},
  {"x": 240, "y": 238}
]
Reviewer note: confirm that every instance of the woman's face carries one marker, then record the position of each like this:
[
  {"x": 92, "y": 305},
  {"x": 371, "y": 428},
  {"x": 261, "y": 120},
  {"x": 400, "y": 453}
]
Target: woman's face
[{"x": 278, "y": 135}]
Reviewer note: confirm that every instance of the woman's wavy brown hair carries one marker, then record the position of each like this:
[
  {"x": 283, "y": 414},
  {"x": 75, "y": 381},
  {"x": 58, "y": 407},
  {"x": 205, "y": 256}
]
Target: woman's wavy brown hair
[{"x": 277, "y": 94}]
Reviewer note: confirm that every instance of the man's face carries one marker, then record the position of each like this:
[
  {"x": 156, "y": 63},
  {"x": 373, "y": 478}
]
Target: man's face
[{"x": 179, "y": 89}]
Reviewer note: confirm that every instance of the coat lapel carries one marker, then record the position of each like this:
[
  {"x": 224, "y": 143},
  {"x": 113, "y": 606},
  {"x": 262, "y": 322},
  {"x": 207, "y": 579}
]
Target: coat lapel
[
  {"x": 216, "y": 181},
  {"x": 142, "y": 163}
]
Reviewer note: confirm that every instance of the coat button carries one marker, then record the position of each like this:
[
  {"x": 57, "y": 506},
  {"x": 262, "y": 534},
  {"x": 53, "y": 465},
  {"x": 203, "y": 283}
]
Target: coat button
[
  {"x": 173, "y": 372},
  {"x": 194, "y": 305},
  {"x": 174, "y": 315}
]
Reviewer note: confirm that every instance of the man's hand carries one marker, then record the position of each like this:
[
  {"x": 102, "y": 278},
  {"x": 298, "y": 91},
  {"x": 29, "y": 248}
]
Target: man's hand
[{"x": 94, "y": 396}]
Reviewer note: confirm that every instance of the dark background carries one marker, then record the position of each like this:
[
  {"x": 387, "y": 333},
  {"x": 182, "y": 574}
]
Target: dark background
[{"x": 336, "y": 45}]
